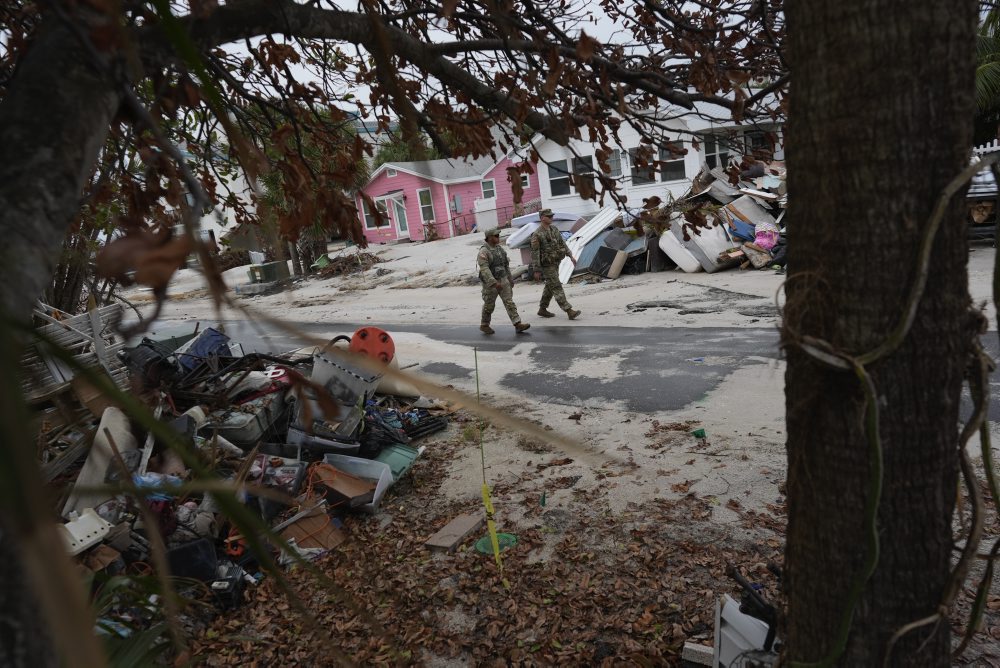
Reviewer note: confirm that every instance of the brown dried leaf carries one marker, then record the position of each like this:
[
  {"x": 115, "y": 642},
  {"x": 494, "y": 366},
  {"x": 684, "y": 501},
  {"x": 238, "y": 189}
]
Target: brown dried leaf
[
  {"x": 157, "y": 266},
  {"x": 586, "y": 46},
  {"x": 448, "y": 8}
]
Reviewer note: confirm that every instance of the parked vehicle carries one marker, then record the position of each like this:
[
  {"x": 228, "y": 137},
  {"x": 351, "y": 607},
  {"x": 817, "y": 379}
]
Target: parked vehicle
[{"x": 982, "y": 205}]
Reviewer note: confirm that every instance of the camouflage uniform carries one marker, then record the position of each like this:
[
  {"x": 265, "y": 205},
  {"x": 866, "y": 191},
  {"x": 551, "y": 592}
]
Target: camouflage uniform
[
  {"x": 547, "y": 250},
  {"x": 494, "y": 266}
]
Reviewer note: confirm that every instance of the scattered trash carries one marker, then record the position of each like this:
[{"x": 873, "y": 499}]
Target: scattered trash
[
  {"x": 505, "y": 540},
  {"x": 303, "y": 439}
]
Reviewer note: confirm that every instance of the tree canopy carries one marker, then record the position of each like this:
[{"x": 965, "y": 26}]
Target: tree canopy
[{"x": 135, "y": 81}]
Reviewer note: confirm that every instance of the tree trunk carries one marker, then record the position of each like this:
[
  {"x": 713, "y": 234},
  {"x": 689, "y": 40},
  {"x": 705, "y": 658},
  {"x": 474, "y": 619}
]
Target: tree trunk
[
  {"x": 880, "y": 121},
  {"x": 53, "y": 123},
  {"x": 54, "y": 119}
]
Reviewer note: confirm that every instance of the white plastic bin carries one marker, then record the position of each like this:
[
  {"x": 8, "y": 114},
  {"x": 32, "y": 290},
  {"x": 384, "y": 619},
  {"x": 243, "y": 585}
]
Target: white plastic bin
[
  {"x": 245, "y": 425},
  {"x": 368, "y": 469}
]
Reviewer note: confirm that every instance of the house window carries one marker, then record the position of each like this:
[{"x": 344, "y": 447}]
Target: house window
[
  {"x": 641, "y": 160},
  {"x": 426, "y": 205},
  {"x": 489, "y": 189},
  {"x": 370, "y": 222},
  {"x": 615, "y": 164},
  {"x": 369, "y": 218},
  {"x": 558, "y": 178},
  {"x": 758, "y": 144},
  {"x": 583, "y": 174},
  {"x": 525, "y": 182},
  {"x": 716, "y": 151},
  {"x": 390, "y": 172},
  {"x": 672, "y": 161}
]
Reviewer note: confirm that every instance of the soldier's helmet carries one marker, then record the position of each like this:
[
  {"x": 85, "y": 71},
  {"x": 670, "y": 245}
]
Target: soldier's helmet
[
  {"x": 545, "y": 213},
  {"x": 492, "y": 232}
]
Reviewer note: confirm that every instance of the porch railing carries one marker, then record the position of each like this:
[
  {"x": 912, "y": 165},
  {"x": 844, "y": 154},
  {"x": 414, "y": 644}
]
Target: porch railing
[{"x": 464, "y": 223}]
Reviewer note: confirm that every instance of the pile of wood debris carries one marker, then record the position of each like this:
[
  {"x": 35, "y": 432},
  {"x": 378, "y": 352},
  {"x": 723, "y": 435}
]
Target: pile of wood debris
[{"x": 342, "y": 265}]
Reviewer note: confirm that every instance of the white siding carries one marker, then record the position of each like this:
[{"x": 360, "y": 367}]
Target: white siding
[{"x": 550, "y": 152}]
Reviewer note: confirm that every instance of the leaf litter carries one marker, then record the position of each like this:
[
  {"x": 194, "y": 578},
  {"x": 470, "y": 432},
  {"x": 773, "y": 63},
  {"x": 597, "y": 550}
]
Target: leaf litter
[{"x": 587, "y": 584}]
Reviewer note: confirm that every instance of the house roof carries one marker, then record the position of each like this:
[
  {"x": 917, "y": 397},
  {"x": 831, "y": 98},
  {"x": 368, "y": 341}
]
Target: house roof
[
  {"x": 456, "y": 170},
  {"x": 445, "y": 170}
]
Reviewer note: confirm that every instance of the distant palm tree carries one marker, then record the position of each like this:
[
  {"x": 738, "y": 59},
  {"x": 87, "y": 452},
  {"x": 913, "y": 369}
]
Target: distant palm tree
[
  {"x": 987, "y": 126},
  {"x": 988, "y": 65}
]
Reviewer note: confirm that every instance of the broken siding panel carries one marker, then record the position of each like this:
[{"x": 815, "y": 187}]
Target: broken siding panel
[{"x": 42, "y": 373}]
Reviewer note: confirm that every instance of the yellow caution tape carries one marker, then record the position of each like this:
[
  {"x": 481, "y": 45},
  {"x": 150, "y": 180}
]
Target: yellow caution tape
[{"x": 492, "y": 526}]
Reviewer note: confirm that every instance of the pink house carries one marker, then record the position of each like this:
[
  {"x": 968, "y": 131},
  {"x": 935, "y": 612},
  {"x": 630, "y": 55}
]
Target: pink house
[{"x": 443, "y": 198}]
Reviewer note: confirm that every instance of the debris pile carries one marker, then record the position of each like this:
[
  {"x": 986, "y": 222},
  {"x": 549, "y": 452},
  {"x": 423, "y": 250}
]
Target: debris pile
[
  {"x": 718, "y": 224},
  {"x": 342, "y": 265},
  {"x": 237, "y": 449}
]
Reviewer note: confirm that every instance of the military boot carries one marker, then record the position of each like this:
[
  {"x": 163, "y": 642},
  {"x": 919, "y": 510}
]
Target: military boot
[
  {"x": 573, "y": 314},
  {"x": 545, "y": 313},
  {"x": 485, "y": 328},
  {"x": 521, "y": 326}
]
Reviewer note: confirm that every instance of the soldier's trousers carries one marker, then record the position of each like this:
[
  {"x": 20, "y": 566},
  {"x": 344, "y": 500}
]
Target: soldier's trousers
[
  {"x": 553, "y": 288},
  {"x": 506, "y": 294}
]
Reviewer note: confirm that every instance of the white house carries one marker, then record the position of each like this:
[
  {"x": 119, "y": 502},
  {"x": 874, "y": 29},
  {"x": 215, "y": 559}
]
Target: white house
[{"x": 677, "y": 161}]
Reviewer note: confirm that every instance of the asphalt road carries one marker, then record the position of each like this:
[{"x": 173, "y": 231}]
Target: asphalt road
[
  {"x": 658, "y": 368},
  {"x": 662, "y": 368}
]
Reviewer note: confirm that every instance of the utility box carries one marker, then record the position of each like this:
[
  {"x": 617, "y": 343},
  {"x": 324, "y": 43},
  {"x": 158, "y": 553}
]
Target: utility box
[{"x": 269, "y": 272}]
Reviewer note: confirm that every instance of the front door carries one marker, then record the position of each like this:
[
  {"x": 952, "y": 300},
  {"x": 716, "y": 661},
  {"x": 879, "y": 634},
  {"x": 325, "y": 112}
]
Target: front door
[{"x": 399, "y": 213}]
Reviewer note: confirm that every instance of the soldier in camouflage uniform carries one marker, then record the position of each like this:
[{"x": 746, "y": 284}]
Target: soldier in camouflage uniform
[
  {"x": 547, "y": 250},
  {"x": 494, "y": 274}
]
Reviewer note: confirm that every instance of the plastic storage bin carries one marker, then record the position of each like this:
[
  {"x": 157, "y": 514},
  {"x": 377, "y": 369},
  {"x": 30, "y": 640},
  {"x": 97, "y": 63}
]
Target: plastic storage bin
[
  {"x": 248, "y": 424},
  {"x": 368, "y": 469},
  {"x": 399, "y": 458}
]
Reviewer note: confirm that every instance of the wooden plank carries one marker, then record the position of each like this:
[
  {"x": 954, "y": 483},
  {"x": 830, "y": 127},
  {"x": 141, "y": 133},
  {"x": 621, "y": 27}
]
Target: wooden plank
[{"x": 456, "y": 531}]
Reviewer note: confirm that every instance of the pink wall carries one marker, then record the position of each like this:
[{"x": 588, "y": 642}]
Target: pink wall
[
  {"x": 441, "y": 196},
  {"x": 409, "y": 185},
  {"x": 505, "y": 195}
]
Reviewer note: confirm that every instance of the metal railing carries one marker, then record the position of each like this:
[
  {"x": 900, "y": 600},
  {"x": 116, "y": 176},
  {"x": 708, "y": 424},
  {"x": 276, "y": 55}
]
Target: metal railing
[{"x": 464, "y": 223}]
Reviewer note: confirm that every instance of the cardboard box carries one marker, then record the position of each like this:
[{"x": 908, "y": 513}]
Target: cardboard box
[{"x": 315, "y": 531}]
